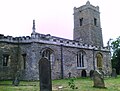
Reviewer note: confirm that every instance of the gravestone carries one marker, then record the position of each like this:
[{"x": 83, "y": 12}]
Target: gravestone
[
  {"x": 102, "y": 73},
  {"x": 98, "y": 80},
  {"x": 83, "y": 73},
  {"x": 69, "y": 74},
  {"x": 114, "y": 74},
  {"x": 16, "y": 80},
  {"x": 45, "y": 75},
  {"x": 91, "y": 74}
]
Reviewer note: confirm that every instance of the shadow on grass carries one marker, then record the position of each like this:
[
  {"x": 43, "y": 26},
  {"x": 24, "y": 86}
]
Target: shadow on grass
[{"x": 18, "y": 85}]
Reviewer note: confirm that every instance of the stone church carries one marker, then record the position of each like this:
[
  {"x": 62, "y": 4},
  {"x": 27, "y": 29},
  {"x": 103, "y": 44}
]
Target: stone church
[{"x": 75, "y": 58}]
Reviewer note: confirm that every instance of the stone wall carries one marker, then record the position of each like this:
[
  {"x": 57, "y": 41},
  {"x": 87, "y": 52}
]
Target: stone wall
[
  {"x": 33, "y": 52},
  {"x": 8, "y": 72}
]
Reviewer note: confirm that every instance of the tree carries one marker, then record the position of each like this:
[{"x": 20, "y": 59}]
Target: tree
[{"x": 116, "y": 54}]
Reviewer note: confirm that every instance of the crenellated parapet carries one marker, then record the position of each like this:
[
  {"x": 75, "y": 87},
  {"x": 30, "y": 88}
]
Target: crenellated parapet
[
  {"x": 12, "y": 39},
  {"x": 87, "y": 5},
  {"x": 48, "y": 39}
]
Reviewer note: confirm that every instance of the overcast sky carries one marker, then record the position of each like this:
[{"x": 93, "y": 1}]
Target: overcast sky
[{"x": 54, "y": 17}]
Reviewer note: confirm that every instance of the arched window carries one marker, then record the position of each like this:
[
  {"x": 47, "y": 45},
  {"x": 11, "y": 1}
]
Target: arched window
[
  {"x": 99, "y": 60},
  {"x": 5, "y": 59},
  {"x": 81, "y": 21},
  {"x": 95, "y": 21},
  {"x": 48, "y": 53},
  {"x": 81, "y": 59},
  {"x": 24, "y": 61}
]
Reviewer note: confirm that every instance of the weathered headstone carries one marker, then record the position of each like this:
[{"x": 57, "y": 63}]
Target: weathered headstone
[
  {"x": 16, "y": 80},
  {"x": 98, "y": 79},
  {"x": 114, "y": 74},
  {"x": 45, "y": 75},
  {"x": 83, "y": 73},
  {"x": 102, "y": 73},
  {"x": 91, "y": 74},
  {"x": 69, "y": 74}
]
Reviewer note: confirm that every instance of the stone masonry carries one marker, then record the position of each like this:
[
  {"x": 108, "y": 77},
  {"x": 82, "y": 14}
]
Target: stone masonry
[
  {"x": 23, "y": 53},
  {"x": 87, "y": 24}
]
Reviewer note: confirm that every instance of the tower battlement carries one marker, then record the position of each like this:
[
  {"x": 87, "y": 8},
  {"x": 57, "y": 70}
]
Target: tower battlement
[{"x": 88, "y": 5}]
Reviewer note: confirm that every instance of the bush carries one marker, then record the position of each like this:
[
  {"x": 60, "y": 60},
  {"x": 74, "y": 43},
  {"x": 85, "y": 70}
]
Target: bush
[{"x": 71, "y": 84}]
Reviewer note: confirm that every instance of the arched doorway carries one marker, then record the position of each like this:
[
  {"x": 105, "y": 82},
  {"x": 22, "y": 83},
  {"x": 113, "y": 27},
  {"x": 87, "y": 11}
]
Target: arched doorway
[{"x": 83, "y": 73}]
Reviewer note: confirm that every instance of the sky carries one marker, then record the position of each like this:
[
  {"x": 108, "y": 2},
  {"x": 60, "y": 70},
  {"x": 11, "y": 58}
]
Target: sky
[{"x": 54, "y": 17}]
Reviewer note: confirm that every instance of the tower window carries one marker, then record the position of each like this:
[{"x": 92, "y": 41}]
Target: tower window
[
  {"x": 81, "y": 21},
  {"x": 95, "y": 21},
  {"x": 5, "y": 60}
]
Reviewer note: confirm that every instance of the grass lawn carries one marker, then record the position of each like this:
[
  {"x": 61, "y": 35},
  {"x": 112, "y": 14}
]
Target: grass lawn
[{"x": 83, "y": 84}]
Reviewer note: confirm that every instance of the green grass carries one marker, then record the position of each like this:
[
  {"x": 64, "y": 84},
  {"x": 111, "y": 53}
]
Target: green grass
[{"x": 83, "y": 84}]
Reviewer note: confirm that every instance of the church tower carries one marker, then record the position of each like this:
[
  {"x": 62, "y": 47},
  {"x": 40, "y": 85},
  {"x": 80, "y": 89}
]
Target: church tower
[{"x": 87, "y": 25}]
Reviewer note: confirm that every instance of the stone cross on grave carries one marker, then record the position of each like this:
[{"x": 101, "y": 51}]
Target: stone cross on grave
[{"x": 45, "y": 75}]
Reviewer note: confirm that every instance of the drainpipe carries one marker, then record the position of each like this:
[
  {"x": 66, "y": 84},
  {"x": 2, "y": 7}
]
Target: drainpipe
[
  {"x": 93, "y": 59},
  {"x": 62, "y": 73},
  {"x": 18, "y": 51}
]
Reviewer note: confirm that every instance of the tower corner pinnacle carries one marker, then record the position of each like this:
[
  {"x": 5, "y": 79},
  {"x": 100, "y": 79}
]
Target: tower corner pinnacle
[
  {"x": 33, "y": 28},
  {"x": 88, "y": 2}
]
